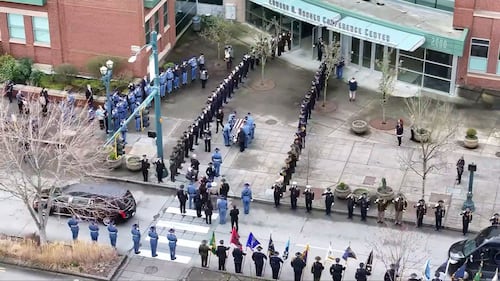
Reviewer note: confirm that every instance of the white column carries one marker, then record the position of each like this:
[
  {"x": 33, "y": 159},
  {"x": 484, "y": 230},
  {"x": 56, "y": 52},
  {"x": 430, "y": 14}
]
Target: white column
[{"x": 453, "y": 82}]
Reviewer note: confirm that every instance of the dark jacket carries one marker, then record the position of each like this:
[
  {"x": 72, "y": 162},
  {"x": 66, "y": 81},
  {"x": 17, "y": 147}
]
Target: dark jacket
[
  {"x": 317, "y": 268},
  {"x": 182, "y": 195},
  {"x": 298, "y": 264},
  {"x": 258, "y": 257},
  {"x": 238, "y": 255},
  {"x": 221, "y": 251},
  {"x": 234, "y": 214}
]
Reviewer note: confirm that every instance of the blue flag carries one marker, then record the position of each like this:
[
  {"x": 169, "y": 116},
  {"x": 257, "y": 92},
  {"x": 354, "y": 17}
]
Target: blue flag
[
  {"x": 270, "y": 246},
  {"x": 287, "y": 250},
  {"x": 427, "y": 270},
  {"x": 348, "y": 253},
  {"x": 460, "y": 273},
  {"x": 252, "y": 242}
]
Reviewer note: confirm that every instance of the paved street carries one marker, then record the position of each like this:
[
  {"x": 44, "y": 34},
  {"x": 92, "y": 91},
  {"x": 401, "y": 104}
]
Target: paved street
[{"x": 14, "y": 273}]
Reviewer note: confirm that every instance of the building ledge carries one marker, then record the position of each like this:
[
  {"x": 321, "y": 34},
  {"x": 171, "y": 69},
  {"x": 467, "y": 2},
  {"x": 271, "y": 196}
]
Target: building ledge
[
  {"x": 150, "y": 4},
  {"x": 28, "y": 2}
]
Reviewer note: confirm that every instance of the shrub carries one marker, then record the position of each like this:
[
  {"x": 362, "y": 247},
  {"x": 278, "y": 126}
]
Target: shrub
[
  {"x": 7, "y": 67},
  {"x": 471, "y": 133},
  {"x": 94, "y": 64},
  {"x": 65, "y": 73},
  {"x": 383, "y": 187},
  {"x": 168, "y": 64},
  {"x": 342, "y": 186},
  {"x": 35, "y": 77}
]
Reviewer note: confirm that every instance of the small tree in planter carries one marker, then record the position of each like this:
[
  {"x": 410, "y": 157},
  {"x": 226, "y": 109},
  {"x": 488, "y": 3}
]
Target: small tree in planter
[
  {"x": 471, "y": 140},
  {"x": 342, "y": 190},
  {"x": 385, "y": 191},
  {"x": 331, "y": 57},
  {"x": 217, "y": 30},
  {"x": 262, "y": 51}
]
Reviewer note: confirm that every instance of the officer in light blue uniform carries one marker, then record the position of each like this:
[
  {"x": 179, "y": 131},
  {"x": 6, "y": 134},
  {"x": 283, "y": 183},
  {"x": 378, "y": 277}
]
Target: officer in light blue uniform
[
  {"x": 194, "y": 68},
  {"x": 246, "y": 197},
  {"x": 251, "y": 122},
  {"x": 231, "y": 119},
  {"x": 136, "y": 238},
  {"x": 184, "y": 66},
  {"x": 153, "y": 240},
  {"x": 172, "y": 243},
  {"x": 217, "y": 160},
  {"x": 191, "y": 190},
  {"x": 176, "y": 77},
  {"x": 71, "y": 103},
  {"x": 138, "y": 122},
  {"x": 227, "y": 134},
  {"x": 131, "y": 101},
  {"x": 163, "y": 83},
  {"x": 94, "y": 231},
  {"x": 113, "y": 233},
  {"x": 73, "y": 226},
  {"x": 170, "y": 79},
  {"x": 246, "y": 129},
  {"x": 124, "y": 131},
  {"x": 222, "y": 207},
  {"x": 138, "y": 94}
]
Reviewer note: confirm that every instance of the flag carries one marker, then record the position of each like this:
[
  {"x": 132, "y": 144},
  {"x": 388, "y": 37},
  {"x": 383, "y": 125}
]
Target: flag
[
  {"x": 329, "y": 253},
  {"x": 348, "y": 253},
  {"x": 369, "y": 262},
  {"x": 270, "y": 246},
  {"x": 460, "y": 273},
  {"x": 305, "y": 253},
  {"x": 287, "y": 250},
  {"x": 495, "y": 278},
  {"x": 235, "y": 239},
  {"x": 252, "y": 242},
  {"x": 427, "y": 270},
  {"x": 213, "y": 245},
  {"x": 479, "y": 273}
]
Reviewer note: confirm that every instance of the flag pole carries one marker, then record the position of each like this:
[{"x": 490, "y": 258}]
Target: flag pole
[
  {"x": 264, "y": 271},
  {"x": 209, "y": 258},
  {"x": 346, "y": 264},
  {"x": 279, "y": 272},
  {"x": 243, "y": 262}
]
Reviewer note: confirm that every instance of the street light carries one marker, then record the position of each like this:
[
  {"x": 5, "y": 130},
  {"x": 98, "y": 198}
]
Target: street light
[
  {"x": 156, "y": 89},
  {"x": 469, "y": 203},
  {"x": 107, "y": 72}
]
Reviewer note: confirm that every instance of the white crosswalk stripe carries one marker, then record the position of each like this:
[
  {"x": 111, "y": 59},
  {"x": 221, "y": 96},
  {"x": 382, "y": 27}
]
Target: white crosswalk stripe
[
  {"x": 166, "y": 257},
  {"x": 189, "y": 212},
  {"x": 180, "y": 242},
  {"x": 182, "y": 226}
]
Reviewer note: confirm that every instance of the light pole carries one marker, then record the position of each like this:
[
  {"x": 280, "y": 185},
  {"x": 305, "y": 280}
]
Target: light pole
[
  {"x": 107, "y": 72},
  {"x": 469, "y": 203},
  {"x": 156, "y": 90}
]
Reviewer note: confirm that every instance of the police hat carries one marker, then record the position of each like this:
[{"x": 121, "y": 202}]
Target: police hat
[
  {"x": 337, "y": 260},
  {"x": 246, "y": 184},
  {"x": 440, "y": 201},
  {"x": 276, "y": 253},
  {"x": 259, "y": 248},
  {"x": 294, "y": 183},
  {"x": 182, "y": 186},
  {"x": 171, "y": 230},
  {"x": 152, "y": 228},
  {"x": 298, "y": 254},
  {"x": 318, "y": 258}
]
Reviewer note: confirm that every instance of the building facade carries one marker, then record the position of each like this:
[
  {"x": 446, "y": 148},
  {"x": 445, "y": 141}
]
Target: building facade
[
  {"x": 480, "y": 65},
  {"x": 53, "y": 32}
]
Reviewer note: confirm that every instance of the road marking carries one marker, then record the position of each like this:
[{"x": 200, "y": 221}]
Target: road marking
[
  {"x": 2, "y": 269},
  {"x": 189, "y": 212},
  {"x": 180, "y": 242},
  {"x": 166, "y": 257},
  {"x": 320, "y": 248},
  {"x": 182, "y": 226}
]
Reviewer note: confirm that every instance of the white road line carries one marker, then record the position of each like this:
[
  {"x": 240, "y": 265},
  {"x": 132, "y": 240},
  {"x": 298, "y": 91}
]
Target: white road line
[
  {"x": 180, "y": 242},
  {"x": 189, "y": 212},
  {"x": 166, "y": 257},
  {"x": 320, "y": 248},
  {"x": 182, "y": 226}
]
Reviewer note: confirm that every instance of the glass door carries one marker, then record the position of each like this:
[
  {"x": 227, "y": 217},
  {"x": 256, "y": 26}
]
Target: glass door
[
  {"x": 367, "y": 54},
  {"x": 355, "y": 50},
  {"x": 295, "y": 27},
  {"x": 315, "y": 36}
]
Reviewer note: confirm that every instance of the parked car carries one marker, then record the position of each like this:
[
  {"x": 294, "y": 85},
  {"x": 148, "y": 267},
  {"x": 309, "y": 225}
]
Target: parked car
[
  {"x": 104, "y": 203},
  {"x": 484, "y": 247}
]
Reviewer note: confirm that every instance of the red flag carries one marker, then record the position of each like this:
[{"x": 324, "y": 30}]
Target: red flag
[{"x": 235, "y": 239}]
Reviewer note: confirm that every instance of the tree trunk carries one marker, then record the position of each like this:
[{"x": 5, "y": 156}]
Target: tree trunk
[
  {"x": 324, "y": 92},
  {"x": 383, "y": 111},
  {"x": 218, "y": 51},
  {"x": 262, "y": 65},
  {"x": 424, "y": 176},
  {"x": 43, "y": 234}
]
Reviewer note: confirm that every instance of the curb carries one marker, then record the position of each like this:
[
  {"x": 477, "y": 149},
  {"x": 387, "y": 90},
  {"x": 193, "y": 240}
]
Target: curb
[
  {"x": 269, "y": 202},
  {"x": 225, "y": 273}
]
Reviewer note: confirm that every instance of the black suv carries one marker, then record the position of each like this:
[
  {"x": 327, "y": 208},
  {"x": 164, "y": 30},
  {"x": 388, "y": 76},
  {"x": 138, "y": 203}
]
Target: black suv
[{"x": 92, "y": 202}]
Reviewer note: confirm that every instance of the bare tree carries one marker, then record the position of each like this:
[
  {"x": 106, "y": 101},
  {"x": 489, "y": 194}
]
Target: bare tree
[
  {"x": 40, "y": 152},
  {"x": 387, "y": 82},
  {"x": 217, "y": 30},
  {"x": 434, "y": 124},
  {"x": 275, "y": 26},
  {"x": 399, "y": 249},
  {"x": 331, "y": 57},
  {"x": 262, "y": 51}
]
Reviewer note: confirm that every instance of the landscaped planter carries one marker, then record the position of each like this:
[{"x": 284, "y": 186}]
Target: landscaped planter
[
  {"x": 114, "y": 163},
  {"x": 421, "y": 135},
  {"x": 359, "y": 127},
  {"x": 342, "y": 190},
  {"x": 471, "y": 140},
  {"x": 133, "y": 163},
  {"x": 384, "y": 191}
]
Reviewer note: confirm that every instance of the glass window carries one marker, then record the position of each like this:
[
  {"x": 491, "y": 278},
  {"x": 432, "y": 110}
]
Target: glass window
[
  {"x": 436, "y": 84},
  {"x": 147, "y": 30},
  {"x": 16, "y": 26},
  {"x": 157, "y": 22},
  {"x": 213, "y": 2},
  {"x": 413, "y": 64},
  {"x": 478, "y": 60},
  {"x": 418, "y": 53},
  {"x": 410, "y": 77},
  {"x": 165, "y": 14},
  {"x": 41, "y": 30},
  {"x": 438, "y": 57},
  {"x": 437, "y": 70}
]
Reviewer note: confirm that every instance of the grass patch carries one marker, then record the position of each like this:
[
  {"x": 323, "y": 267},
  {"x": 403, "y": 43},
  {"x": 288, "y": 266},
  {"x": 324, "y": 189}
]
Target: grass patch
[
  {"x": 81, "y": 257},
  {"x": 78, "y": 84}
]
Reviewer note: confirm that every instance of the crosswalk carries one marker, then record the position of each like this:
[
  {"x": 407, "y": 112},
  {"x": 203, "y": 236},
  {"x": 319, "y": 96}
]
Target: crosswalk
[{"x": 186, "y": 247}]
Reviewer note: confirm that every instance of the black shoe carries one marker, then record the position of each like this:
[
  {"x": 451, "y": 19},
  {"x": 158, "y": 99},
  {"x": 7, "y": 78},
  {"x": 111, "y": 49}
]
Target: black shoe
[{"x": 138, "y": 252}]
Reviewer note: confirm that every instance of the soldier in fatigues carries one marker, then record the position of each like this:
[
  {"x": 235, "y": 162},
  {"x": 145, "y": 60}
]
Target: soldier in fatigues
[
  {"x": 337, "y": 270},
  {"x": 294, "y": 194},
  {"x": 329, "y": 199},
  {"x": 421, "y": 211},
  {"x": 309, "y": 197},
  {"x": 466, "y": 219},
  {"x": 400, "y": 205},
  {"x": 351, "y": 204},
  {"x": 381, "y": 207},
  {"x": 364, "y": 205},
  {"x": 439, "y": 212}
]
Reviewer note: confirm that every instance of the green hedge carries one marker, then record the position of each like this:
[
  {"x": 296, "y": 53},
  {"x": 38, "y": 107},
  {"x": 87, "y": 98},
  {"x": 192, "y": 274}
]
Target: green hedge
[{"x": 78, "y": 84}]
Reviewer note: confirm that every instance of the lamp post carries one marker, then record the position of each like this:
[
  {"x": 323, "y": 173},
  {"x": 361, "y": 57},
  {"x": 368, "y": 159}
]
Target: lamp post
[
  {"x": 107, "y": 72},
  {"x": 469, "y": 203},
  {"x": 156, "y": 90}
]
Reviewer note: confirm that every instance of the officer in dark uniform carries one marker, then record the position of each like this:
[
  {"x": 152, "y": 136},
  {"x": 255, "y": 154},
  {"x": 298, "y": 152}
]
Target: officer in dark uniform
[
  {"x": 439, "y": 212},
  {"x": 361, "y": 273},
  {"x": 294, "y": 194},
  {"x": 329, "y": 199},
  {"x": 317, "y": 268},
  {"x": 94, "y": 231},
  {"x": 391, "y": 274},
  {"x": 285, "y": 173},
  {"x": 298, "y": 265},
  {"x": 185, "y": 143},
  {"x": 210, "y": 171},
  {"x": 182, "y": 196},
  {"x": 207, "y": 137},
  {"x": 258, "y": 258},
  {"x": 113, "y": 233},
  {"x": 160, "y": 168},
  {"x": 364, "y": 205},
  {"x": 337, "y": 270},
  {"x": 277, "y": 193},
  {"x": 309, "y": 197},
  {"x": 136, "y": 238},
  {"x": 73, "y": 226},
  {"x": 238, "y": 259},
  {"x": 198, "y": 203},
  {"x": 437, "y": 277},
  {"x": 421, "y": 211},
  {"x": 172, "y": 167},
  {"x": 195, "y": 128},
  {"x": 190, "y": 137},
  {"x": 145, "y": 167},
  {"x": 275, "y": 261},
  {"x": 495, "y": 219},
  {"x": 221, "y": 253},
  {"x": 351, "y": 204},
  {"x": 242, "y": 136}
]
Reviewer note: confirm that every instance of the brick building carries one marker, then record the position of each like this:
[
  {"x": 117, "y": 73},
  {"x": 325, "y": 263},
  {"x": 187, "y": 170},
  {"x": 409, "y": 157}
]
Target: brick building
[
  {"x": 480, "y": 64},
  {"x": 53, "y": 32}
]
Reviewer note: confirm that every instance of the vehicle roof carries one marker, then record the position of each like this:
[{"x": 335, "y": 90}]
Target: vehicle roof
[{"x": 102, "y": 189}]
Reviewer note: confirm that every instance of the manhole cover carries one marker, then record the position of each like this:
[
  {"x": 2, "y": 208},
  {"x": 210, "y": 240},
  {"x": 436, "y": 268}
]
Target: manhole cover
[
  {"x": 369, "y": 180},
  {"x": 150, "y": 269},
  {"x": 497, "y": 154},
  {"x": 271, "y": 122}
]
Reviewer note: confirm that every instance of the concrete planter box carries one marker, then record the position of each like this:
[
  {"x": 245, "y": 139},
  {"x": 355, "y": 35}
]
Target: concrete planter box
[
  {"x": 114, "y": 163},
  {"x": 471, "y": 143},
  {"x": 133, "y": 163},
  {"x": 342, "y": 193},
  {"x": 359, "y": 127},
  {"x": 421, "y": 135}
]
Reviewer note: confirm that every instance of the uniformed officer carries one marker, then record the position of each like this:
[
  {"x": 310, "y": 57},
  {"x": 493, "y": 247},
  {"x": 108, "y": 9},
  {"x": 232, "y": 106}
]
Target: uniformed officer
[
  {"x": 329, "y": 200},
  {"x": 495, "y": 219},
  {"x": 194, "y": 67},
  {"x": 337, "y": 270},
  {"x": 113, "y": 233},
  {"x": 277, "y": 193},
  {"x": 298, "y": 265},
  {"x": 258, "y": 257},
  {"x": 466, "y": 219},
  {"x": 275, "y": 262},
  {"x": 207, "y": 137},
  {"x": 364, "y": 205},
  {"x": 294, "y": 194},
  {"x": 203, "y": 251},
  {"x": 222, "y": 207},
  {"x": 136, "y": 238},
  {"x": 242, "y": 136},
  {"x": 210, "y": 171},
  {"x": 421, "y": 211},
  {"x": 381, "y": 207},
  {"x": 184, "y": 72},
  {"x": 234, "y": 215},
  {"x": 172, "y": 243},
  {"x": 361, "y": 273},
  {"x": 317, "y": 268},
  {"x": 153, "y": 240},
  {"x": 439, "y": 212},
  {"x": 400, "y": 205},
  {"x": 217, "y": 161},
  {"x": 246, "y": 197},
  {"x": 238, "y": 259},
  {"x": 309, "y": 197},
  {"x": 145, "y": 167},
  {"x": 73, "y": 226},
  {"x": 351, "y": 204},
  {"x": 94, "y": 231},
  {"x": 224, "y": 188},
  {"x": 172, "y": 167},
  {"x": 182, "y": 196},
  {"x": 221, "y": 253}
]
